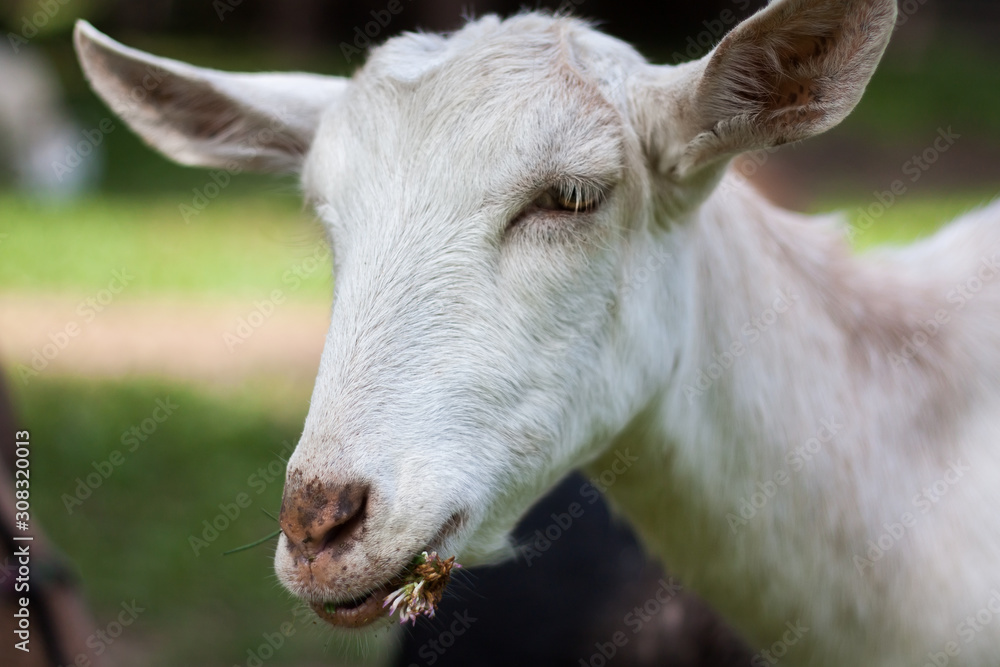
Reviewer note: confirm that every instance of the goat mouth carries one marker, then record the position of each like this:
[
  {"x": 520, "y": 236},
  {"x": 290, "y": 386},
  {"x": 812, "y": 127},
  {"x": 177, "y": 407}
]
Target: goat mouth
[
  {"x": 358, "y": 611},
  {"x": 363, "y": 609},
  {"x": 367, "y": 608}
]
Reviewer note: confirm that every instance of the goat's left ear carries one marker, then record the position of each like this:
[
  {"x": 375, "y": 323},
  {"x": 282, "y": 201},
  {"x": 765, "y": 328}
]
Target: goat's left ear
[{"x": 794, "y": 69}]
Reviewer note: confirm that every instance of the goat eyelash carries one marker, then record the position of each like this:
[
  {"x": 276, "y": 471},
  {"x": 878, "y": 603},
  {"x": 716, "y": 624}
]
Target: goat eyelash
[{"x": 572, "y": 197}]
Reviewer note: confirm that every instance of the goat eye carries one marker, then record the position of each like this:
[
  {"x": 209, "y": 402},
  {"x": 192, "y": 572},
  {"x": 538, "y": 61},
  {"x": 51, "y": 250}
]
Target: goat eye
[{"x": 571, "y": 198}]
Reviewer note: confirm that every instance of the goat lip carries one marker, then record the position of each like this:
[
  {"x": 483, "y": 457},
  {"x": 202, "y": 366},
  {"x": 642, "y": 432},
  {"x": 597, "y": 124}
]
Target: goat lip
[
  {"x": 371, "y": 607},
  {"x": 347, "y": 615}
]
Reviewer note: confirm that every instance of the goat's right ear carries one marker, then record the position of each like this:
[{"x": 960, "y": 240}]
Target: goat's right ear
[
  {"x": 207, "y": 118},
  {"x": 792, "y": 70}
]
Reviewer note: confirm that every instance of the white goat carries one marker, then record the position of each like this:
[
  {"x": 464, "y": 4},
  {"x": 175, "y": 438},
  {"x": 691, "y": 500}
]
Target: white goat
[{"x": 542, "y": 263}]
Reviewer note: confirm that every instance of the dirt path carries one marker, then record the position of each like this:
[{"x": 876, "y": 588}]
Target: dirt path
[{"x": 224, "y": 342}]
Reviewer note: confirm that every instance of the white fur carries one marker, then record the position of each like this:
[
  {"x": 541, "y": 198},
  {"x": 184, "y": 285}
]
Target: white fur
[{"x": 471, "y": 363}]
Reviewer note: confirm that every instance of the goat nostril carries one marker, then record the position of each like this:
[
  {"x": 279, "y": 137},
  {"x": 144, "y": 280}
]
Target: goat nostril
[
  {"x": 317, "y": 517},
  {"x": 342, "y": 526}
]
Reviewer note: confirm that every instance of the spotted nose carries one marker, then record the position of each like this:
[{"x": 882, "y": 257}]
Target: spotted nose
[{"x": 322, "y": 519}]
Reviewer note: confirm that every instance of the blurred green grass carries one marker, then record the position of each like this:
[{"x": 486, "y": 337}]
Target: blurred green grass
[
  {"x": 130, "y": 538},
  {"x": 237, "y": 246},
  {"x": 912, "y": 217},
  {"x": 951, "y": 80}
]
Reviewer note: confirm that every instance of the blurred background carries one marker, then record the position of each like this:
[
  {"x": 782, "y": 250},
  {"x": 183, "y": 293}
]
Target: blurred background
[{"x": 160, "y": 329}]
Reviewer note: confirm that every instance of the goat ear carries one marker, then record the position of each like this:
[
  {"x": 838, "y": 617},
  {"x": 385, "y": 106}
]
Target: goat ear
[
  {"x": 794, "y": 69},
  {"x": 203, "y": 117}
]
